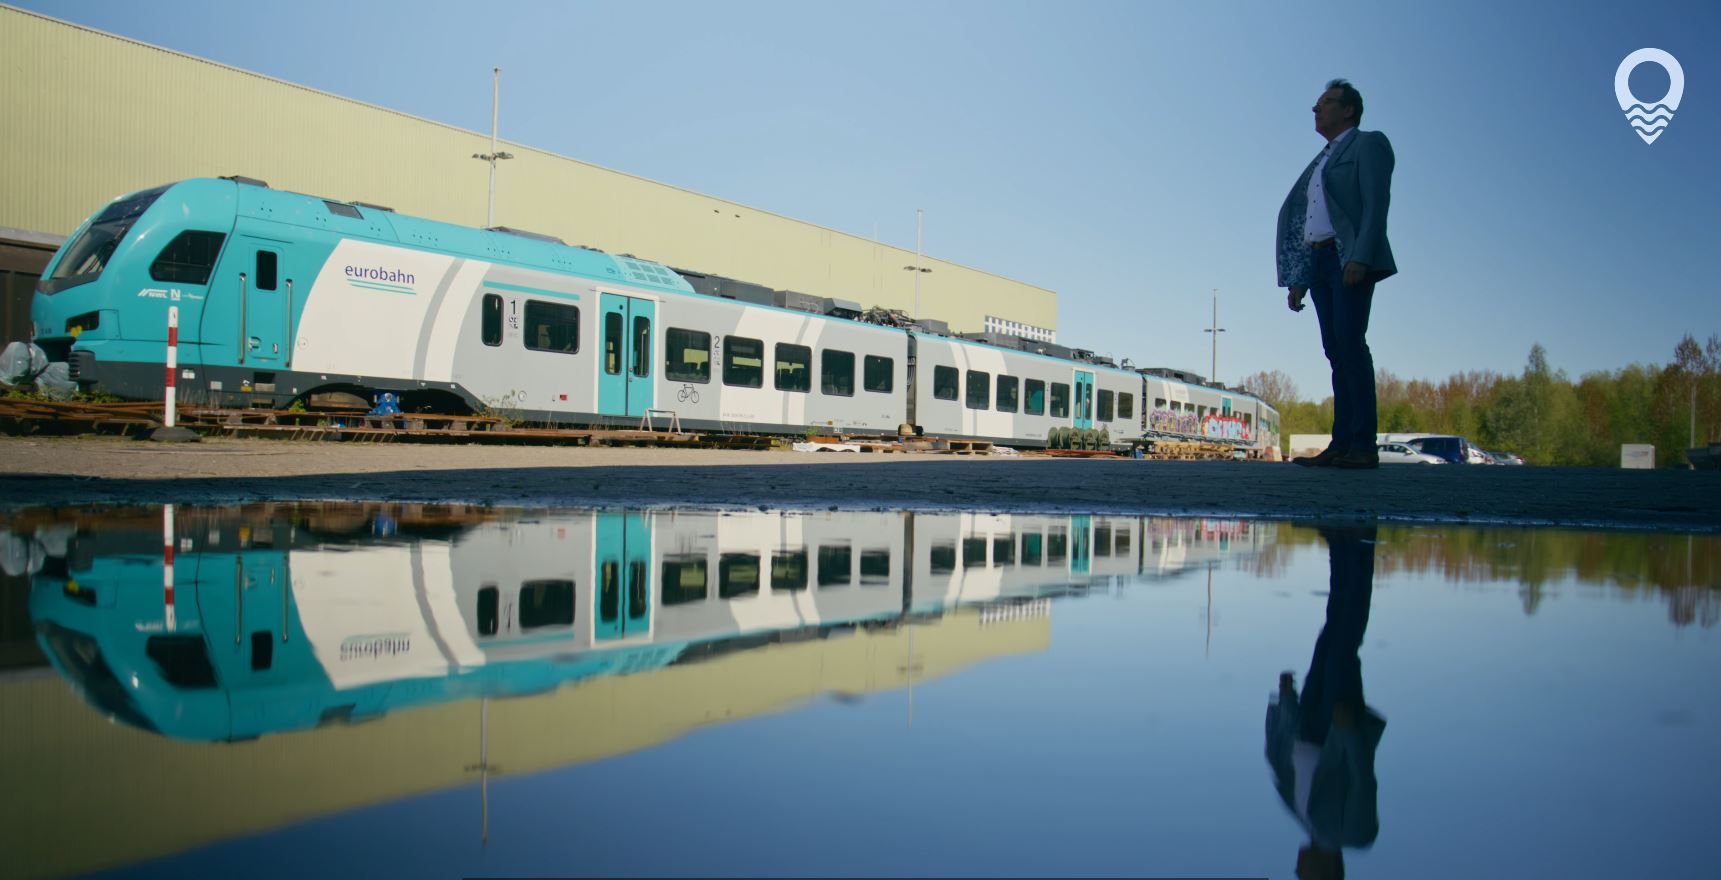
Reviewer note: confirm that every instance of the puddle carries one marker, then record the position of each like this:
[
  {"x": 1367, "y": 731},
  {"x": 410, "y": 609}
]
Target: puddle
[{"x": 344, "y": 689}]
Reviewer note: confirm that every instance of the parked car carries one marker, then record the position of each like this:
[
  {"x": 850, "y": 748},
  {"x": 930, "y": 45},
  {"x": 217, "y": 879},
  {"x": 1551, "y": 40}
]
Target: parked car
[
  {"x": 1505, "y": 458},
  {"x": 1454, "y": 450},
  {"x": 1399, "y": 453}
]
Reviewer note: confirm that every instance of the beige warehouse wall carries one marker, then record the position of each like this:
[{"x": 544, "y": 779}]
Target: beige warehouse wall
[{"x": 91, "y": 116}]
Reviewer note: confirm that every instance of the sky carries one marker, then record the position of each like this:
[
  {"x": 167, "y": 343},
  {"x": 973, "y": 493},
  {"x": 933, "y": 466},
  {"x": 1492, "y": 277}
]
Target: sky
[{"x": 1130, "y": 156}]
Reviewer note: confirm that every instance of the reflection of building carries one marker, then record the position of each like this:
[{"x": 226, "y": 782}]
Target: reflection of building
[{"x": 90, "y": 794}]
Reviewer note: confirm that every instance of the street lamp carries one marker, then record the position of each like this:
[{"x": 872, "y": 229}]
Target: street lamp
[
  {"x": 1214, "y": 375},
  {"x": 493, "y": 156},
  {"x": 917, "y": 269}
]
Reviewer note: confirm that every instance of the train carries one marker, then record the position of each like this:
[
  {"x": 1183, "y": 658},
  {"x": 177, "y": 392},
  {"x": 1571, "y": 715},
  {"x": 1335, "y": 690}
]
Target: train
[
  {"x": 291, "y": 617},
  {"x": 285, "y": 299}
]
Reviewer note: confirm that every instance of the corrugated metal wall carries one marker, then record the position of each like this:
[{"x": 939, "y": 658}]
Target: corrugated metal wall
[{"x": 91, "y": 116}]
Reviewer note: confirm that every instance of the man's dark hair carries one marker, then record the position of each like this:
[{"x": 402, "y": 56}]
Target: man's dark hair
[{"x": 1348, "y": 97}]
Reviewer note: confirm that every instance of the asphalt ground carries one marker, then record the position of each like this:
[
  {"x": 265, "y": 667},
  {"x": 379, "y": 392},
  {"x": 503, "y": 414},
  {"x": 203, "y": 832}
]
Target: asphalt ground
[{"x": 60, "y": 472}]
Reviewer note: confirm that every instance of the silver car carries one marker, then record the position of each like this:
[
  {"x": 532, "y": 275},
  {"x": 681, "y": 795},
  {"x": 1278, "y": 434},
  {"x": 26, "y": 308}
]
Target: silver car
[{"x": 1398, "y": 453}]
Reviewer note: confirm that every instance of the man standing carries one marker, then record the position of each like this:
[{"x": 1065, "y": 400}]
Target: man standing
[{"x": 1332, "y": 245}]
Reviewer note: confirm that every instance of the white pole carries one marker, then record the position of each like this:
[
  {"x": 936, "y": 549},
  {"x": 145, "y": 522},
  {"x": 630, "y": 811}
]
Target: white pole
[
  {"x": 1215, "y": 330},
  {"x": 167, "y": 565},
  {"x": 918, "y": 228},
  {"x": 495, "y": 99},
  {"x": 170, "y": 399}
]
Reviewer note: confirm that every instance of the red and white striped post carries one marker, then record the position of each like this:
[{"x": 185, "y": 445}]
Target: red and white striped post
[
  {"x": 172, "y": 368},
  {"x": 167, "y": 551}
]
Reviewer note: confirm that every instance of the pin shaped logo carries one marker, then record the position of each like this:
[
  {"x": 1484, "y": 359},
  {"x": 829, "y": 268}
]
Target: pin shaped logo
[{"x": 1650, "y": 120}]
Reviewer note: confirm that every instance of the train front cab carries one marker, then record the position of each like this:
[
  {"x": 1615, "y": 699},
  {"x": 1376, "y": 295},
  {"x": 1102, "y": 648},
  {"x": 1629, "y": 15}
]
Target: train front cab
[{"x": 223, "y": 659}]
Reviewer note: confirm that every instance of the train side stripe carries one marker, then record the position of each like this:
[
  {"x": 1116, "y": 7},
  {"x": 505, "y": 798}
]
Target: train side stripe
[{"x": 432, "y": 315}]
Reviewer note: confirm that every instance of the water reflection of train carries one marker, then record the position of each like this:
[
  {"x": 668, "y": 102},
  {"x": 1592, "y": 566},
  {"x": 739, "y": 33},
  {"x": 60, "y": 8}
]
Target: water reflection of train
[{"x": 279, "y": 622}]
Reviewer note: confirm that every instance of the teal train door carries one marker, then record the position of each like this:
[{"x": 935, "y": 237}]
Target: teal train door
[
  {"x": 1084, "y": 402},
  {"x": 625, "y": 355},
  {"x": 263, "y": 304},
  {"x": 1081, "y": 544},
  {"x": 623, "y": 594}
]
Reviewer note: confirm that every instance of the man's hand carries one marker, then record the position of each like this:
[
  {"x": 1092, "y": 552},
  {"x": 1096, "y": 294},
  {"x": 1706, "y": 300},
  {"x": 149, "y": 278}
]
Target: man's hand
[
  {"x": 1355, "y": 273},
  {"x": 1295, "y": 298}
]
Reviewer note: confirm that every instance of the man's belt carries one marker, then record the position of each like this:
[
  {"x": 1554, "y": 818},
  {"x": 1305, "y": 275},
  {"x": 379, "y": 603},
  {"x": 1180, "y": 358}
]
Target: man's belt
[{"x": 1323, "y": 243}]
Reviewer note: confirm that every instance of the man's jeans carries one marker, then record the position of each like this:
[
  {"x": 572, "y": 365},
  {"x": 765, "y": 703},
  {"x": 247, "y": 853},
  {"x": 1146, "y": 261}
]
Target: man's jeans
[{"x": 1343, "y": 313}]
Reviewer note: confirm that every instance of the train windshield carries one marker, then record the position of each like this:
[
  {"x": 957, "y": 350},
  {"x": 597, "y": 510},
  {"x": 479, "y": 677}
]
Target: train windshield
[{"x": 84, "y": 260}]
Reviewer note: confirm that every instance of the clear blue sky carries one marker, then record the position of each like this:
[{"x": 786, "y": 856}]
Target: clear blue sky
[{"x": 1131, "y": 156}]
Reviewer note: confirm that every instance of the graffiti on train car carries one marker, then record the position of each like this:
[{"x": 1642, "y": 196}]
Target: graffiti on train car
[{"x": 1212, "y": 427}]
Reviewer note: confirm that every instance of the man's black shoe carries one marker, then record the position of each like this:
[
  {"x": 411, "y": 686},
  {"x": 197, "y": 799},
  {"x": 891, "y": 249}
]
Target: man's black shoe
[
  {"x": 1324, "y": 459},
  {"x": 1356, "y": 461}
]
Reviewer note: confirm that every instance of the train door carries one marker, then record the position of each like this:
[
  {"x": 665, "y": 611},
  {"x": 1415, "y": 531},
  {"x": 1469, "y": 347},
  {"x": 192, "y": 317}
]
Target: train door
[
  {"x": 625, "y": 355},
  {"x": 1081, "y": 544},
  {"x": 623, "y": 588},
  {"x": 1084, "y": 400},
  {"x": 263, "y": 302}
]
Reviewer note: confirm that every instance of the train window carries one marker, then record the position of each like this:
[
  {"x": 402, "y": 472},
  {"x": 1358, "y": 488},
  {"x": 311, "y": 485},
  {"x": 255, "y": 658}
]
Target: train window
[
  {"x": 1057, "y": 546},
  {"x": 490, "y": 328},
  {"x": 1126, "y": 406},
  {"x": 1035, "y": 404},
  {"x": 837, "y": 372},
  {"x": 488, "y": 602},
  {"x": 943, "y": 558},
  {"x": 743, "y": 362},
  {"x": 1123, "y": 543},
  {"x": 973, "y": 552},
  {"x": 737, "y": 575},
  {"x": 612, "y": 343},
  {"x": 683, "y": 579},
  {"x": 182, "y": 660},
  {"x": 979, "y": 389},
  {"x": 1246, "y": 420},
  {"x": 546, "y": 603},
  {"x": 1060, "y": 400},
  {"x": 874, "y": 567},
  {"x": 85, "y": 259},
  {"x": 609, "y": 591},
  {"x": 1102, "y": 540},
  {"x": 794, "y": 367},
  {"x": 262, "y": 650},
  {"x": 268, "y": 264},
  {"x": 879, "y": 375},
  {"x": 789, "y": 570},
  {"x": 1159, "y": 403},
  {"x": 188, "y": 259},
  {"x": 1004, "y": 550},
  {"x": 636, "y": 587},
  {"x": 835, "y": 566},
  {"x": 1007, "y": 388},
  {"x": 1031, "y": 549},
  {"x": 687, "y": 355},
  {"x": 1105, "y": 401},
  {"x": 552, "y": 327},
  {"x": 944, "y": 383},
  {"x": 642, "y": 346}
]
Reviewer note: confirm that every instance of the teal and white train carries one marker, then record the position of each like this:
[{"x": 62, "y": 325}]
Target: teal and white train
[{"x": 282, "y": 296}]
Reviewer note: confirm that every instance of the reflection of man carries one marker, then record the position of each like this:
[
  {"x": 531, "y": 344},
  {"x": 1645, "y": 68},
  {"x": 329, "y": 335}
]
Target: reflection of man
[
  {"x": 1321, "y": 744},
  {"x": 1332, "y": 244}
]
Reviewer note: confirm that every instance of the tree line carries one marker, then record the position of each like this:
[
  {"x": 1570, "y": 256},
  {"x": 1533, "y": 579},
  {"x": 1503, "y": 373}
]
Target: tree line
[{"x": 1540, "y": 414}]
